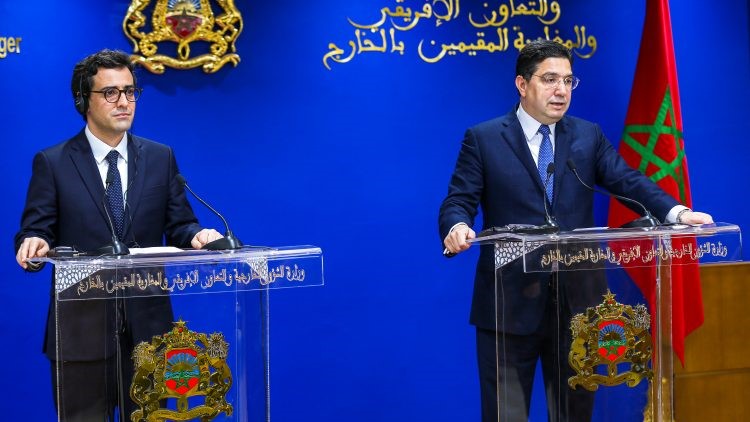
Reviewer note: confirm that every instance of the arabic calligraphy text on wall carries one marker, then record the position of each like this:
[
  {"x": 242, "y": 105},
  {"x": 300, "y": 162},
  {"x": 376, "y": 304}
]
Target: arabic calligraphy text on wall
[{"x": 493, "y": 27}]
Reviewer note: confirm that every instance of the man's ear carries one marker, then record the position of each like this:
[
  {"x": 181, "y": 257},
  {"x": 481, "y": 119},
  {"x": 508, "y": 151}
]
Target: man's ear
[{"x": 521, "y": 85}]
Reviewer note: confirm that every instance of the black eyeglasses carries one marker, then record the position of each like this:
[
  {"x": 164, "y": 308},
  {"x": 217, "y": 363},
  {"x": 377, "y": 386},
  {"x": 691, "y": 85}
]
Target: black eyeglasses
[{"x": 112, "y": 94}]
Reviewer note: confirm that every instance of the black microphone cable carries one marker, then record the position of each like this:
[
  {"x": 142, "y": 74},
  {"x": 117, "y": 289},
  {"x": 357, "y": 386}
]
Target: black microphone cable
[
  {"x": 647, "y": 220},
  {"x": 229, "y": 241}
]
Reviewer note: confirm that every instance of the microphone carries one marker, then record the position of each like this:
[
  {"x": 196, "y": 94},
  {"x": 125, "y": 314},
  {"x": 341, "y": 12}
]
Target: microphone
[
  {"x": 548, "y": 219},
  {"x": 229, "y": 241},
  {"x": 647, "y": 220},
  {"x": 117, "y": 248}
]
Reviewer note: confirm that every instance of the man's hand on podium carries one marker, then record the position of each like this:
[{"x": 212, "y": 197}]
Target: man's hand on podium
[
  {"x": 693, "y": 217},
  {"x": 204, "y": 236},
  {"x": 456, "y": 240},
  {"x": 32, "y": 247}
]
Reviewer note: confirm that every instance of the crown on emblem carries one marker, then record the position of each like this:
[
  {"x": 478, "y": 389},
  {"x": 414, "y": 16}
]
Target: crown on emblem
[
  {"x": 180, "y": 336},
  {"x": 610, "y": 308}
]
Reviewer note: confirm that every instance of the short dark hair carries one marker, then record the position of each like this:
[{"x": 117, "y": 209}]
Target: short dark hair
[
  {"x": 536, "y": 52},
  {"x": 84, "y": 71}
]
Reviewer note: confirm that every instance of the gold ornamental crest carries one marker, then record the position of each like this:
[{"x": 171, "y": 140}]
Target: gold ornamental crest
[
  {"x": 607, "y": 338},
  {"x": 186, "y": 23},
  {"x": 176, "y": 370}
]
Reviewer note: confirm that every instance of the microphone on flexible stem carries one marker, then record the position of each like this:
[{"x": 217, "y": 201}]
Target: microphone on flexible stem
[
  {"x": 549, "y": 220},
  {"x": 229, "y": 241},
  {"x": 117, "y": 248},
  {"x": 647, "y": 220}
]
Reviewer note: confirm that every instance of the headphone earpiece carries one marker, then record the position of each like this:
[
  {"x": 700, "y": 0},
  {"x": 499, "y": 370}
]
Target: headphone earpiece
[{"x": 81, "y": 102}]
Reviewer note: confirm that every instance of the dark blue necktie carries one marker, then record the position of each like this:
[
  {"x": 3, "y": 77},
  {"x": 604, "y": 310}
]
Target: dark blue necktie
[
  {"x": 114, "y": 193},
  {"x": 546, "y": 156}
]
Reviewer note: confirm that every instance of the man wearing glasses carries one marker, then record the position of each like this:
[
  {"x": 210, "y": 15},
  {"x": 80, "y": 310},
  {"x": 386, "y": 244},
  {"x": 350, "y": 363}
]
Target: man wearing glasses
[
  {"x": 504, "y": 166},
  {"x": 102, "y": 181}
]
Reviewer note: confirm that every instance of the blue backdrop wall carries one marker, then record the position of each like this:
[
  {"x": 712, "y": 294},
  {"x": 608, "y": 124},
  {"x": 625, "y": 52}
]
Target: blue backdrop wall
[{"x": 355, "y": 159}]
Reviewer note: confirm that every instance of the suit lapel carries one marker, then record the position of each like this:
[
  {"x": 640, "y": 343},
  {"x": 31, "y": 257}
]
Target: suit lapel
[
  {"x": 513, "y": 135},
  {"x": 83, "y": 160},
  {"x": 136, "y": 178}
]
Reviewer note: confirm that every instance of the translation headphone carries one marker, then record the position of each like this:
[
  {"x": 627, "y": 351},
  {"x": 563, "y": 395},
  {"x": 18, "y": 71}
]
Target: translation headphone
[{"x": 81, "y": 102}]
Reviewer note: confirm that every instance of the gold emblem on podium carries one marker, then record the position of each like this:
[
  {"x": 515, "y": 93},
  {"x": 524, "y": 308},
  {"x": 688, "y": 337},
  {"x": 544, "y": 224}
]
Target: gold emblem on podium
[
  {"x": 177, "y": 369},
  {"x": 607, "y": 337},
  {"x": 186, "y": 23}
]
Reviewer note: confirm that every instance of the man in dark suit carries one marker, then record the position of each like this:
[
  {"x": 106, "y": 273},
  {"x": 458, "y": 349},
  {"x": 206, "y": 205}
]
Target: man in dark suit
[
  {"x": 71, "y": 184},
  {"x": 503, "y": 167}
]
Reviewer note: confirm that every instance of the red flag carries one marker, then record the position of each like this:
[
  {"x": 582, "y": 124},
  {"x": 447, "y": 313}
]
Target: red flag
[{"x": 652, "y": 142}]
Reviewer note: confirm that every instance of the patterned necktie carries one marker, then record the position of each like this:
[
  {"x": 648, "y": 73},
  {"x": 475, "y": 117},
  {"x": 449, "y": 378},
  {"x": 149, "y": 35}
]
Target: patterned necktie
[
  {"x": 114, "y": 193},
  {"x": 545, "y": 158}
]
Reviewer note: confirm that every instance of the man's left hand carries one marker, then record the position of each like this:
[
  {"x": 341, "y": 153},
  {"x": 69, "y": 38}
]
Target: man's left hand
[{"x": 693, "y": 217}]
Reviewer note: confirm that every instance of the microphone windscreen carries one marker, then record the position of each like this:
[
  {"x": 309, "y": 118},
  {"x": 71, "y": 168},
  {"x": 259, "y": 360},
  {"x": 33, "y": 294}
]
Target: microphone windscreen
[
  {"x": 181, "y": 179},
  {"x": 571, "y": 164}
]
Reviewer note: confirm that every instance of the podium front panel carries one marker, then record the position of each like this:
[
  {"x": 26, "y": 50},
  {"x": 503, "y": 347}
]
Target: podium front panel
[
  {"x": 170, "y": 336},
  {"x": 593, "y": 311}
]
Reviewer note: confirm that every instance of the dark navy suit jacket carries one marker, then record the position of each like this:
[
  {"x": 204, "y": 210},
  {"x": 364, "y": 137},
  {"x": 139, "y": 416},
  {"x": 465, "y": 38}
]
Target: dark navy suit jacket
[
  {"x": 495, "y": 171},
  {"x": 65, "y": 206}
]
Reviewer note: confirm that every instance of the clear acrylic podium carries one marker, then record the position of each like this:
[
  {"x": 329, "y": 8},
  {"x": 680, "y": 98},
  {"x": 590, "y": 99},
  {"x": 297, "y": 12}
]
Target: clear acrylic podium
[
  {"x": 611, "y": 295},
  {"x": 193, "y": 326}
]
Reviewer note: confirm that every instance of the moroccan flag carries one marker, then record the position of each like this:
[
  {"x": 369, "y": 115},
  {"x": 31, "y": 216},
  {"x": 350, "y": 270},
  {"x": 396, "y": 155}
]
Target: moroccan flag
[{"x": 652, "y": 143}]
